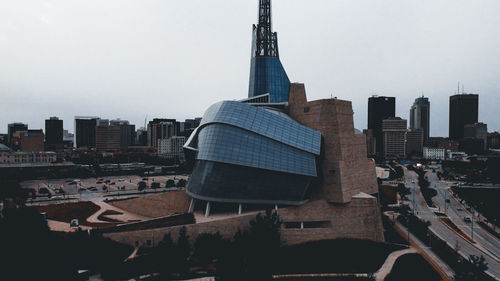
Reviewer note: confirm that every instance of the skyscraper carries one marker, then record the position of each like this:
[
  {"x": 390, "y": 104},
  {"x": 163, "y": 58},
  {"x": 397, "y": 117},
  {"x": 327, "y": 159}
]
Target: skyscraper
[
  {"x": 463, "y": 111},
  {"x": 267, "y": 75},
  {"x": 379, "y": 109},
  {"x": 85, "y": 131},
  {"x": 420, "y": 116},
  {"x": 53, "y": 133}
]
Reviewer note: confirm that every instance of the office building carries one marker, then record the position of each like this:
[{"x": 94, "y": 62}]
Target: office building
[
  {"x": 54, "y": 134},
  {"x": 161, "y": 129},
  {"x": 493, "y": 140},
  {"x": 420, "y": 116},
  {"x": 127, "y": 132},
  {"x": 268, "y": 79},
  {"x": 85, "y": 131},
  {"x": 107, "y": 138},
  {"x": 434, "y": 153},
  {"x": 13, "y": 128},
  {"x": 68, "y": 139},
  {"x": 30, "y": 140},
  {"x": 394, "y": 130},
  {"x": 478, "y": 131},
  {"x": 379, "y": 109},
  {"x": 172, "y": 147},
  {"x": 414, "y": 142},
  {"x": 463, "y": 111}
]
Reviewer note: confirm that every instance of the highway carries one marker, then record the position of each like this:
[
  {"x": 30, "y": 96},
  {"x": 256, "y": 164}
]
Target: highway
[{"x": 465, "y": 248}]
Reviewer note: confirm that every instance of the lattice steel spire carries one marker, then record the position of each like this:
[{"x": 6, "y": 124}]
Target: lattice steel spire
[{"x": 266, "y": 40}]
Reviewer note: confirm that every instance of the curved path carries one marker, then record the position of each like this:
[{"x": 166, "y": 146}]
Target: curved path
[
  {"x": 124, "y": 216},
  {"x": 389, "y": 263}
]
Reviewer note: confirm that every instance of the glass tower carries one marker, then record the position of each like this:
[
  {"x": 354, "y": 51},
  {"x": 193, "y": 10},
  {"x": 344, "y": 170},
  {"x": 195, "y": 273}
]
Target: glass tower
[{"x": 267, "y": 75}]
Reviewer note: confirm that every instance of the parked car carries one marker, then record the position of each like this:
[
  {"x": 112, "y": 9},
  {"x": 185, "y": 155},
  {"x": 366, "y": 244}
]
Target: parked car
[{"x": 467, "y": 220}]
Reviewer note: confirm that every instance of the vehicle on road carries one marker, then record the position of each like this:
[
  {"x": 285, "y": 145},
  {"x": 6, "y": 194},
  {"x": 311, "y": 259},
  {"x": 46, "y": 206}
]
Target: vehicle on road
[
  {"x": 121, "y": 179},
  {"x": 467, "y": 220},
  {"x": 92, "y": 188}
]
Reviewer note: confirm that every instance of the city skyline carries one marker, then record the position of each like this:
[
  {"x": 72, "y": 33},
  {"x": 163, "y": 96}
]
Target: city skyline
[{"x": 55, "y": 61}]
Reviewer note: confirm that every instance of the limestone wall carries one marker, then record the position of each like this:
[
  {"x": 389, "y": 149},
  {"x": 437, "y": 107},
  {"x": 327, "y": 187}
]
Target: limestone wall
[
  {"x": 358, "y": 219},
  {"x": 345, "y": 169}
]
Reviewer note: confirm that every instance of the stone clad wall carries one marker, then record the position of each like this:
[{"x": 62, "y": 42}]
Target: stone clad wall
[
  {"x": 345, "y": 169},
  {"x": 358, "y": 219}
]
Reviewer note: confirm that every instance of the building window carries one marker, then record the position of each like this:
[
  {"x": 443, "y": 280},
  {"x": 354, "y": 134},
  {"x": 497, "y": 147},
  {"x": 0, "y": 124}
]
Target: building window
[
  {"x": 331, "y": 172},
  {"x": 148, "y": 242},
  {"x": 308, "y": 224},
  {"x": 306, "y": 109}
]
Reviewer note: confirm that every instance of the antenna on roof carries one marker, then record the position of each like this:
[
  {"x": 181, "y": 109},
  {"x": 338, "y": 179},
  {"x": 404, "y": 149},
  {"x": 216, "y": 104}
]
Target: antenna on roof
[
  {"x": 462, "y": 89},
  {"x": 458, "y": 88}
]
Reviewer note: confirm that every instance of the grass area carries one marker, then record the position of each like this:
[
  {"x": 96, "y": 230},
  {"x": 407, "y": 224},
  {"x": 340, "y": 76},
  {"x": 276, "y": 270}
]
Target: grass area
[
  {"x": 412, "y": 267},
  {"x": 65, "y": 212},
  {"x": 335, "y": 256}
]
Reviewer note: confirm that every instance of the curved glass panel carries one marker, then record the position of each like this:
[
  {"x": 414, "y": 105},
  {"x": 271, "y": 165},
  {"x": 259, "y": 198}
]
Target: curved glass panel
[
  {"x": 228, "y": 144},
  {"x": 264, "y": 123}
]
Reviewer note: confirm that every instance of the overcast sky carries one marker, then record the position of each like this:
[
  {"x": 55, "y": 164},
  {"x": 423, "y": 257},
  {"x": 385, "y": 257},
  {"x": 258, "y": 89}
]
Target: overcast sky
[{"x": 128, "y": 59}]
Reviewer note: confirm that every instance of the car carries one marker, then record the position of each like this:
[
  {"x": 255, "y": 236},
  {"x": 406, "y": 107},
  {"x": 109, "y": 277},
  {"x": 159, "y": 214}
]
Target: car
[
  {"x": 107, "y": 181},
  {"x": 144, "y": 179},
  {"x": 467, "y": 220},
  {"x": 447, "y": 200},
  {"x": 92, "y": 188},
  {"x": 112, "y": 183},
  {"x": 121, "y": 179},
  {"x": 99, "y": 181}
]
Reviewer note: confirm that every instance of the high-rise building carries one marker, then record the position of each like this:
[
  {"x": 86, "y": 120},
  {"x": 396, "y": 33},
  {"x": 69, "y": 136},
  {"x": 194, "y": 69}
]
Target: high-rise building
[
  {"x": 107, "y": 138},
  {"x": 54, "y": 133},
  {"x": 379, "y": 109},
  {"x": 267, "y": 75},
  {"x": 161, "y": 129},
  {"x": 85, "y": 131},
  {"x": 394, "y": 130},
  {"x": 463, "y": 111},
  {"x": 172, "y": 147},
  {"x": 420, "y": 116},
  {"x": 414, "y": 142},
  {"x": 11, "y": 129}
]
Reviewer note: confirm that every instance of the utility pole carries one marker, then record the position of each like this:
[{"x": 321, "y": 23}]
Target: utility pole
[{"x": 472, "y": 227}]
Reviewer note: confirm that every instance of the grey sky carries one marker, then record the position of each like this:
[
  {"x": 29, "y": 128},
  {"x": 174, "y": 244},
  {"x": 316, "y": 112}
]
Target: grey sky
[{"x": 128, "y": 59}]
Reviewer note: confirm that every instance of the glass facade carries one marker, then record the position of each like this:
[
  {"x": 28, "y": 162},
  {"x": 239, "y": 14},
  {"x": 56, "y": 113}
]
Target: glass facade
[
  {"x": 228, "y": 144},
  {"x": 267, "y": 75},
  {"x": 249, "y": 154},
  {"x": 263, "y": 122}
]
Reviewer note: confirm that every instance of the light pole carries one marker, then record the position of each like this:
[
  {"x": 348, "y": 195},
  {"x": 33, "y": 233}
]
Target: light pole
[{"x": 472, "y": 227}]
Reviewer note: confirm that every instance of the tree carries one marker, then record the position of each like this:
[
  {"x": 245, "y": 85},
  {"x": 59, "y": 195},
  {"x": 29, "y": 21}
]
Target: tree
[
  {"x": 208, "y": 248},
  {"x": 141, "y": 185},
  {"x": 183, "y": 250},
  {"x": 181, "y": 183},
  {"x": 164, "y": 255},
  {"x": 170, "y": 183},
  {"x": 471, "y": 269}
]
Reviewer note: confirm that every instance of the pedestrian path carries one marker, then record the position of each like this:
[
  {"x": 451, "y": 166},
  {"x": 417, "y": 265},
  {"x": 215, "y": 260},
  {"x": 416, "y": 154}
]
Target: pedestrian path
[{"x": 389, "y": 263}]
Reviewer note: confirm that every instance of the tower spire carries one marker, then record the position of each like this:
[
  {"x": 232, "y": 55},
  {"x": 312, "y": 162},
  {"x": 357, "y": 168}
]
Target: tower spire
[{"x": 266, "y": 39}]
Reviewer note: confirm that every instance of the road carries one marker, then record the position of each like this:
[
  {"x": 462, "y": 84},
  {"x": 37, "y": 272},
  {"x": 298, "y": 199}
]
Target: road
[
  {"x": 465, "y": 248},
  {"x": 457, "y": 212}
]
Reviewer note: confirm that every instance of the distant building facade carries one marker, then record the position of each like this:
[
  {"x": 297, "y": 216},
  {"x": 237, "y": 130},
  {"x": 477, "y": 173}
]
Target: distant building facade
[
  {"x": 40, "y": 157},
  {"x": 420, "y": 116},
  {"x": 478, "y": 131},
  {"x": 107, "y": 138},
  {"x": 172, "y": 147},
  {"x": 371, "y": 142},
  {"x": 85, "y": 131},
  {"x": 493, "y": 140},
  {"x": 54, "y": 133},
  {"x": 379, "y": 109},
  {"x": 30, "y": 140},
  {"x": 127, "y": 132},
  {"x": 463, "y": 111},
  {"x": 414, "y": 142},
  {"x": 394, "y": 130},
  {"x": 434, "y": 153},
  {"x": 161, "y": 129},
  {"x": 13, "y": 128}
]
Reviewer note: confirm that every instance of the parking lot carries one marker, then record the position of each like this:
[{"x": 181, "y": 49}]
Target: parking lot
[{"x": 90, "y": 188}]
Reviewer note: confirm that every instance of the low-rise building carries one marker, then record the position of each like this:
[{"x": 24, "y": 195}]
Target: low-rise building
[
  {"x": 20, "y": 157},
  {"x": 434, "y": 153}
]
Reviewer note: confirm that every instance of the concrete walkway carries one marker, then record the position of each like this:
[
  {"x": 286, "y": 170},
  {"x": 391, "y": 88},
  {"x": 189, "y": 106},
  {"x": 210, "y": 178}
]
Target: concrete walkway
[
  {"x": 123, "y": 217},
  {"x": 389, "y": 263}
]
